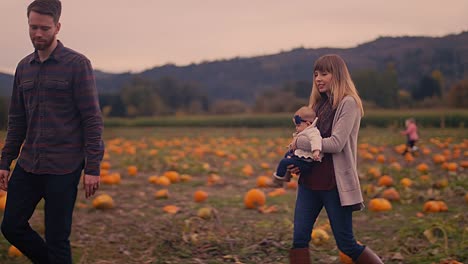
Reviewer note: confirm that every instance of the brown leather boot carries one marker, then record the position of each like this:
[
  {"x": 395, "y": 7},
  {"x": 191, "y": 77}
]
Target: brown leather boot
[
  {"x": 368, "y": 257},
  {"x": 299, "y": 256}
]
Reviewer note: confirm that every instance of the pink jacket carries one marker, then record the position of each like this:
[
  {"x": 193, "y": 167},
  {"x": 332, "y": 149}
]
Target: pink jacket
[{"x": 412, "y": 132}]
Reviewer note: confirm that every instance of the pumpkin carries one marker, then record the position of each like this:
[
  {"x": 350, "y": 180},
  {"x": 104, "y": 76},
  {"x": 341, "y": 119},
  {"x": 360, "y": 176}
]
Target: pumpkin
[
  {"x": 385, "y": 181},
  {"x": 161, "y": 194},
  {"x": 3, "y": 199},
  {"x": 200, "y": 196},
  {"x": 153, "y": 179},
  {"x": 14, "y": 252},
  {"x": 435, "y": 207},
  {"x": 452, "y": 166},
  {"x": 464, "y": 164},
  {"x": 164, "y": 181},
  {"x": 185, "y": 178},
  {"x": 391, "y": 194},
  {"x": 406, "y": 182},
  {"x": 381, "y": 158},
  {"x": 247, "y": 170},
  {"x": 291, "y": 184},
  {"x": 409, "y": 157},
  {"x": 132, "y": 170},
  {"x": 438, "y": 158},
  {"x": 105, "y": 165},
  {"x": 171, "y": 209},
  {"x": 422, "y": 167},
  {"x": 214, "y": 179},
  {"x": 113, "y": 178},
  {"x": 319, "y": 236},
  {"x": 282, "y": 191},
  {"x": 103, "y": 201},
  {"x": 254, "y": 198},
  {"x": 396, "y": 166},
  {"x": 173, "y": 176},
  {"x": 345, "y": 259},
  {"x": 379, "y": 205},
  {"x": 375, "y": 172},
  {"x": 205, "y": 212},
  {"x": 263, "y": 181}
]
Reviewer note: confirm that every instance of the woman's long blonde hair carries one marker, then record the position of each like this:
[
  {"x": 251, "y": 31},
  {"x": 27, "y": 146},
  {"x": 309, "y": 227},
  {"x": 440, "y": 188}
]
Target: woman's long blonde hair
[{"x": 341, "y": 84}]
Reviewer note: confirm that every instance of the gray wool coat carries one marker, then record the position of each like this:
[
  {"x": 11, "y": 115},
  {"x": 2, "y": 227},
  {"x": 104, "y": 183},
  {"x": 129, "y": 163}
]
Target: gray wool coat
[{"x": 342, "y": 144}]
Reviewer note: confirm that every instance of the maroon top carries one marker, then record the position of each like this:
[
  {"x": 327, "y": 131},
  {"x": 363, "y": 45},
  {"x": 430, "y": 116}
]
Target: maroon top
[
  {"x": 55, "y": 112},
  {"x": 322, "y": 174}
]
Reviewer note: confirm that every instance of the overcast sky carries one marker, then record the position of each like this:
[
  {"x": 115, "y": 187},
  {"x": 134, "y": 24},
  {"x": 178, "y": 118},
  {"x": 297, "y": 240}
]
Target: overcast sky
[{"x": 135, "y": 35}]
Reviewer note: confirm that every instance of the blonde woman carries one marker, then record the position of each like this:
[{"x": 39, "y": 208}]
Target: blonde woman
[{"x": 332, "y": 183}]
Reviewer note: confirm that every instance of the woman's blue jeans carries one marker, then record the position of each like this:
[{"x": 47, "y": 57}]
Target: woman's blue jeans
[{"x": 309, "y": 203}]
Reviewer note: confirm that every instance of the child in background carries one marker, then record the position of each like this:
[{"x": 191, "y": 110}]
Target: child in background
[
  {"x": 306, "y": 133},
  {"x": 411, "y": 133}
]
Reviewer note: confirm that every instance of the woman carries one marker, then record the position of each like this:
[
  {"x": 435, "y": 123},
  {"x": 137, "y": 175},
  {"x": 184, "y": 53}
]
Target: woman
[{"x": 332, "y": 183}]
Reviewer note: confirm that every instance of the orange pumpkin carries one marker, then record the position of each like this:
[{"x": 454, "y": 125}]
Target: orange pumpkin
[
  {"x": 345, "y": 259},
  {"x": 3, "y": 199},
  {"x": 171, "y": 209},
  {"x": 406, "y": 182},
  {"x": 422, "y": 167},
  {"x": 452, "y": 166},
  {"x": 173, "y": 176},
  {"x": 163, "y": 181},
  {"x": 282, "y": 191},
  {"x": 113, "y": 178},
  {"x": 247, "y": 170},
  {"x": 105, "y": 165},
  {"x": 391, "y": 194},
  {"x": 435, "y": 206},
  {"x": 161, "y": 194},
  {"x": 292, "y": 184},
  {"x": 263, "y": 181},
  {"x": 200, "y": 196},
  {"x": 379, "y": 205},
  {"x": 13, "y": 252},
  {"x": 464, "y": 164},
  {"x": 385, "y": 181},
  {"x": 319, "y": 236},
  {"x": 254, "y": 198},
  {"x": 381, "y": 158},
  {"x": 132, "y": 170},
  {"x": 103, "y": 201}
]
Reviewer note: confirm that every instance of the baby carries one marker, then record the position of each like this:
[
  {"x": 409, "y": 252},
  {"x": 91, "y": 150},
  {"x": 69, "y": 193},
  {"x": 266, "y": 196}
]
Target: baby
[{"x": 306, "y": 131}]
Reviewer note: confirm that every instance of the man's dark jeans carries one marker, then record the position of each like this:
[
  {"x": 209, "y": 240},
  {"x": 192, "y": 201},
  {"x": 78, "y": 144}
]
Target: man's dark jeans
[
  {"x": 309, "y": 203},
  {"x": 25, "y": 190}
]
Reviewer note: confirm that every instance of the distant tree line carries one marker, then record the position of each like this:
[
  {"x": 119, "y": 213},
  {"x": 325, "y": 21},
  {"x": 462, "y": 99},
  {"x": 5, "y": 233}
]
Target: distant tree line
[{"x": 167, "y": 96}]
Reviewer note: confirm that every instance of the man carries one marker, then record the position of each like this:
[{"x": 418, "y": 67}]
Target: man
[{"x": 55, "y": 119}]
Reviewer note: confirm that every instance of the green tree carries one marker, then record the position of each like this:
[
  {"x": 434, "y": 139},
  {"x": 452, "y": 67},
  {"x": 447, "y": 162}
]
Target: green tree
[
  {"x": 458, "y": 95},
  {"x": 380, "y": 88},
  {"x": 428, "y": 87}
]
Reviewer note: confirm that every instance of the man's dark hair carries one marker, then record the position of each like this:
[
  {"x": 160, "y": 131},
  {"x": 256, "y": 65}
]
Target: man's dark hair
[{"x": 51, "y": 8}]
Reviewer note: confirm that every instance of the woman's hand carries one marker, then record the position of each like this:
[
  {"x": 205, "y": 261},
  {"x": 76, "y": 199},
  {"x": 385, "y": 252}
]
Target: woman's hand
[{"x": 293, "y": 169}]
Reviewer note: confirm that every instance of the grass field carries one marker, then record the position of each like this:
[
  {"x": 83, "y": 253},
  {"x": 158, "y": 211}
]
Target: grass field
[{"x": 226, "y": 163}]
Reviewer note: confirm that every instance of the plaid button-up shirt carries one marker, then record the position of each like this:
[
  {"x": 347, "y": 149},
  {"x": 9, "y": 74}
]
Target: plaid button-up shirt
[{"x": 54, "y": 115}]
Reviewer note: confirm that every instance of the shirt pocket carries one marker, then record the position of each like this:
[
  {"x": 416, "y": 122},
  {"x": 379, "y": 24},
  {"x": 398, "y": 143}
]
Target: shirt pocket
[
  {"x": 29, "y": 94},
  {"x": 59, "y": 94}
]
